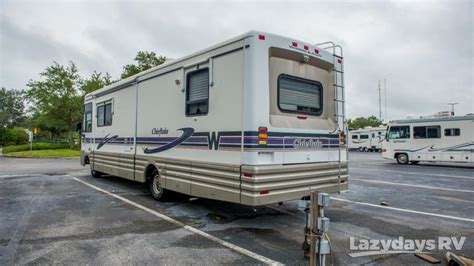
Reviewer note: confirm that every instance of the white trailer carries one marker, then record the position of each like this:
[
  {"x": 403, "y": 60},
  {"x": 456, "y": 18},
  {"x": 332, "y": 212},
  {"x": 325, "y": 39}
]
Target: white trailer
[
  {"x": 430, "y": 139},
  {"x": 255, "y": 120},
  {"x": 367, "y": 139}
]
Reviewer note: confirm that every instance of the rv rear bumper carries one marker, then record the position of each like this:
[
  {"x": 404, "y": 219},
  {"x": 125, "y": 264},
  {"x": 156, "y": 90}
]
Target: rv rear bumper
[{"x": 277, "y": 183}]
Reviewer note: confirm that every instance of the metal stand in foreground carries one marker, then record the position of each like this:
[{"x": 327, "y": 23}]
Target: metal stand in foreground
[{"x": 316, "y": 227}]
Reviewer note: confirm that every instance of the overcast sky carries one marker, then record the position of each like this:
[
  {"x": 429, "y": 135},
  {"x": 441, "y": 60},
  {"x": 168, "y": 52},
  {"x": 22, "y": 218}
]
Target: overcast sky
[{"x": 423, "y": 49}]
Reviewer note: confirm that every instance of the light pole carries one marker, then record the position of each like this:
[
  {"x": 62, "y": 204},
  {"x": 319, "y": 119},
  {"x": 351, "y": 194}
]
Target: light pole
[{"x": 452, "y": 107}]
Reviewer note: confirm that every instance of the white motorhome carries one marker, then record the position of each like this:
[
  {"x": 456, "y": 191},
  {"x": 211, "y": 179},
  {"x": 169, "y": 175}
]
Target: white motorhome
[
  {"x": 430, "y": 139},
  {"x": 255, "y": 120},
  {"x": 366, "y": 139}
]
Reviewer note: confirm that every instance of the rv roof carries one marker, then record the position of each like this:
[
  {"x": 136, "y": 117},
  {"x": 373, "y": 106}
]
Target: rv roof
[
  {"x": 130, "y": 80},
  {"x": 433, "y": 119}
]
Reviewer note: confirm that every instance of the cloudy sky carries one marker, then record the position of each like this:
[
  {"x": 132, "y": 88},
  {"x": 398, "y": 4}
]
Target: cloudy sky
[{"x": 423, "y": 48}]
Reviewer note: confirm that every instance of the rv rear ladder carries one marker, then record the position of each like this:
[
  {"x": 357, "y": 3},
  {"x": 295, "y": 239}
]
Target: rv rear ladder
[{"x": 339, "y": 93}]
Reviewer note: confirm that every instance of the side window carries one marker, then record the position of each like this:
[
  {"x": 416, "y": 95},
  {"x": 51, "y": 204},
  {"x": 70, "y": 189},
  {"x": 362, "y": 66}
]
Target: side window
[
  {"x": 373, "y": 135},
  {"x": 428, "y": 132},
  {"x": 104, "y": 114},
  {"x": 87, "y": 118},
  {"x": 399, "y": 132},
  {"x": 197, "y": 92},
  {"x": 355, "y": 136},
  {"x": 452, "y": 132},
  {"x": 364, "y": 136}
]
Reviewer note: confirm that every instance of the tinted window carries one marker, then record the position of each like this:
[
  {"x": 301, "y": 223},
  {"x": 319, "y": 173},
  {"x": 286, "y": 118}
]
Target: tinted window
[
  {"x": 428, "y": 132},
  {"x": 87, "y": 118},
  {"x": 451, "y": 132},
  {"x": 355, "y": 137},
  {"x": 104, "y": 114},
  {"x": 364, "y": 136},
  {"x": 197, "y": 92},
  {"x": 299, "y": 95},
  {"x": 399, "y": 132}
]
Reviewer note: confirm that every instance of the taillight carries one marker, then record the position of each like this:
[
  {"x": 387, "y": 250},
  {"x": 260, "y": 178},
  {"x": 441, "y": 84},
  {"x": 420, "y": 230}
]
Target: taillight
[
  {"x": 342, "y": 138},
  {"x": 261, "y": 37},
  {"x": 262, "y": 136}
]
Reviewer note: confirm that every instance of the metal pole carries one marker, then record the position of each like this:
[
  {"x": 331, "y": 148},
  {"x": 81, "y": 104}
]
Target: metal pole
[
  {"x": 313, "y": 259},
  {"x": 385, "y": 96},
  {"x": 380, "y": 102},
  {"x": 31, "y": 141},
  {"x": 452, "y": 107}
]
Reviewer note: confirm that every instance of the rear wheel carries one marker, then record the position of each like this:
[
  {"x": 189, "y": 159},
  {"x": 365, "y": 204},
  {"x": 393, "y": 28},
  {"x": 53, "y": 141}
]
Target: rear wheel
[
  {"x": 96, "y": 174},
  {"x": 156, "y": 190},
  {"x": 402, "y": 158},
  {"x": 361, "y": 149}
]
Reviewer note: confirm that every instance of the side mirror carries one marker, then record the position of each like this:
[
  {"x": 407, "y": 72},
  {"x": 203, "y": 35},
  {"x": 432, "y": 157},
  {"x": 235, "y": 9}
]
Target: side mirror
[{"x": 79, "y": 127}]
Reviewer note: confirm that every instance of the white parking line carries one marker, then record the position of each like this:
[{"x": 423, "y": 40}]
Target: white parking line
[
  {"x": 8, "y": 176},
  {"x": 231, "y": 246},
  {"x": 405, "y": 210},
  {"x": 413, "y": 173},
  {"x": 410, "y": 185}
]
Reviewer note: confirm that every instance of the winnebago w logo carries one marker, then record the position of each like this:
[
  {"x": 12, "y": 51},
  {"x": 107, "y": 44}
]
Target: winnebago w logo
[{"x": 214, "y": 139}]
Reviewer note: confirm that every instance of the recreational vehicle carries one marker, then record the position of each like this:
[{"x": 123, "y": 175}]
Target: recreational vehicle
[
  {"x": 366, "y": 139},
  {"x": 430, "y": 139},
  {"x": 255, "y": 120}
]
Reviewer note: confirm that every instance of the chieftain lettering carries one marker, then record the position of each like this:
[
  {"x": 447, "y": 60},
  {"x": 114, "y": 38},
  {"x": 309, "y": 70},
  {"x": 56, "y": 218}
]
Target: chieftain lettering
[
  {"x": 160, "y": 131},
  {"x": 305, "y": 144}
]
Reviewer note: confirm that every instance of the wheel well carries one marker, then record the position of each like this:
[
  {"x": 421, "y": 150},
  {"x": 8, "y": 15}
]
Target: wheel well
[
  {"x": 149, "y": 171},
  {"x": 397, "y": 153}
]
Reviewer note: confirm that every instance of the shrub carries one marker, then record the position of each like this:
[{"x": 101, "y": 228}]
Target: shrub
[
  {"x": 15, "y": 136},
  {"x": 36, "y": 146}
]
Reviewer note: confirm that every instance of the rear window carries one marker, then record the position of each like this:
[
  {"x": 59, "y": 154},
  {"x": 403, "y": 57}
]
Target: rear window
[{"x": 297, "y": 95}]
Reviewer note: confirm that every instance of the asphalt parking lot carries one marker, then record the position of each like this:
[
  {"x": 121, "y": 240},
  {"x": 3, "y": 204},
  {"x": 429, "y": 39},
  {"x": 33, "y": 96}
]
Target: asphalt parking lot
[{"x": 53, "y": 211}]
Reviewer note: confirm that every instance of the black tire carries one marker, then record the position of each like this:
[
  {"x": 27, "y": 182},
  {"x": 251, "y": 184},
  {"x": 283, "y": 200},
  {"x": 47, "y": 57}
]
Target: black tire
[
  {"x": 361, "y": 149},
  {"x": 156, "y": 191},
  {"x": 96, "y": 174},
  {"x": 414, "y": 162},
  {"x": 402, "y": 158}
]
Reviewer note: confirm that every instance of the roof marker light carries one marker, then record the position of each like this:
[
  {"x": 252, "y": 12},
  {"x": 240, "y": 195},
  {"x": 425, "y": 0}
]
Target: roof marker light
[
  {"x": 306, "y": 47},
  {"x": 295, "y": 44},
  {"x": 261, "y": 37},
  {"x": 339, "y": 61},
  {"x": 316, "y": 51}
]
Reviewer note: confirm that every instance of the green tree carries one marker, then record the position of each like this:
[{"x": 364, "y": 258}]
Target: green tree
[
  {"x": 361, "y": 122},
  {"x": 12, "y": 108},
  {"x": 57, "y": 98},
  {"x": 144, "y": 60},
  {"x": 95, "y": 82}
]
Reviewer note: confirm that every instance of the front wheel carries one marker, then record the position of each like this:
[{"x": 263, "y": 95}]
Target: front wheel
[
  {"x": 156, "y": 190},
  {"x": 402, "y": 158}
]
